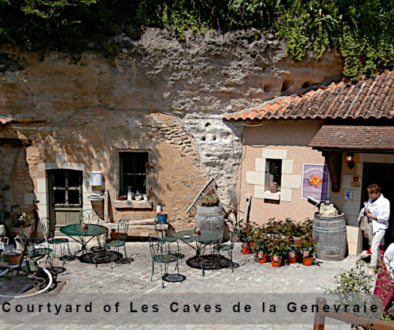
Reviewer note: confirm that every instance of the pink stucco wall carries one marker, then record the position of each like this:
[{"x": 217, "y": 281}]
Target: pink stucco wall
[{"x": 290, "y": 135}]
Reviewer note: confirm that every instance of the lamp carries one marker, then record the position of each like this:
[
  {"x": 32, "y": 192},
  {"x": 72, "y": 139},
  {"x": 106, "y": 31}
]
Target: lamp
[{"x": 349, "y": 160}]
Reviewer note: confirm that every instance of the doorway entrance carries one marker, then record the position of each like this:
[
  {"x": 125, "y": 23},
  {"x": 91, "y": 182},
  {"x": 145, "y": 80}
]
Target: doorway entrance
[
  {"x": 65, "y": 197},
  {"x": 382, "y": 175}
]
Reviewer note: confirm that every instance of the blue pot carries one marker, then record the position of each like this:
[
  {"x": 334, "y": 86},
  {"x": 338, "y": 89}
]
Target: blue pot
[{"x": 162, "y": 218}]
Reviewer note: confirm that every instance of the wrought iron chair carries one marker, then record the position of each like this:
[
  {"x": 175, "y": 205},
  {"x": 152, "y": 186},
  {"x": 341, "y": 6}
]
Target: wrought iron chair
[
  {"x": 90, "y": 217},
  {"x": 120, "y": 239},
  {"x": 167, "y": 241},
  {"x": 84, "y": 217},
  {"x": 164, "y": 258},
  {"x": 227, "y": 247},
  {"x": 53, "y": 242},
  {"x": 37, "y": 251}
]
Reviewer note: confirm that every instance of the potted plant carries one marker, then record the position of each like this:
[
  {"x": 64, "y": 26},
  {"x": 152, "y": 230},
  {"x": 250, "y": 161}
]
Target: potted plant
[
  {"x": 307, "y": 228},
  {"x": 308, "y": 248},
  {"x": 13, "y": 257},
  {"x": 260, "y": 249},
  {"x": 292, "y": 256},
  {"x": 245, "y": 235},
  {"x": 278, "y": 249},
  {"x": 209, "y": 200},
  {"x": 297, "y": 232},
  {"x": 20, "y": 221}
]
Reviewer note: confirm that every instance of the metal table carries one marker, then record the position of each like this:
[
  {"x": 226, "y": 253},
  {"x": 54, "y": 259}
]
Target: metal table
[
  {"x": 201, "y": 241},
  {"x": 84, "y": 236}
]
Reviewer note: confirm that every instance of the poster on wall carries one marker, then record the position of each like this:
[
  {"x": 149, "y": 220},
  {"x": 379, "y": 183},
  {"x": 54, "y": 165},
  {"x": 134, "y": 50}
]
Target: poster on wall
[{"x": 315, "y": 181}]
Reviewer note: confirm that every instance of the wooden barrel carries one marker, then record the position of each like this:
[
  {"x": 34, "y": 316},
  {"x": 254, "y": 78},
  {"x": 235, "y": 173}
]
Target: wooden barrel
[
  {"x": 329, "y": 233},
  {"x": 210, "y": 218}
]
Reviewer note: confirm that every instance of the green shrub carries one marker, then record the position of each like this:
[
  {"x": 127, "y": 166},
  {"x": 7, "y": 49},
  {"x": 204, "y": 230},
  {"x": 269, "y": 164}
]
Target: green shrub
[{"x": 362, "y": 31}]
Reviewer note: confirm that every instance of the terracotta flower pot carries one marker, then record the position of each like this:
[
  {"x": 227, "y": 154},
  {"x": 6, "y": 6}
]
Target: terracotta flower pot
[
  {"x": 276, "y": 261},
  {"x": 307, "y": 261},
  {"x": 14, "y": 257},
  {"x": 246, "y": 248},
  {"x": 292, "y": 257},
  {"x": 261, "y": 258},
  {"x": 297, "y": 240}
]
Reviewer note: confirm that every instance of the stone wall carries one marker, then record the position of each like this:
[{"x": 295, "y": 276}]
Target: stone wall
[
  {"x": 92, "y": 142},
  {"x": 84, "y": 108},
  {"x": 16, "y": 188}
]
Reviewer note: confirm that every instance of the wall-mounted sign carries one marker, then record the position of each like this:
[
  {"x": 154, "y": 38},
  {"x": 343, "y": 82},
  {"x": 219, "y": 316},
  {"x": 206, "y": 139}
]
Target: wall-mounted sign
[
  {"x": 315, "y": 181},
  {"x": 356, "y": 181},
  {"x": 348, "y": 194}
]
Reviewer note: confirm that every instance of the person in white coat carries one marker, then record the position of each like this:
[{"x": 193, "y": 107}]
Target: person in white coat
[
  {"x": 377, "y": 209},
  {"x": 389, "y": 260}
]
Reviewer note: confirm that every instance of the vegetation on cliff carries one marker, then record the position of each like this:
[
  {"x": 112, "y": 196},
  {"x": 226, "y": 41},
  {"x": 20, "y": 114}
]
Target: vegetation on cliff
[{"x": 361, "y": 30}]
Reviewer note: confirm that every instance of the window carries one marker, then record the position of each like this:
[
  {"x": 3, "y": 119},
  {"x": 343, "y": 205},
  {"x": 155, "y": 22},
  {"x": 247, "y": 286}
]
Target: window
[
  {"x": 133, "y": 171},
  {"x": 273, "y": 173},
  {"x": 66, "y": 188}
]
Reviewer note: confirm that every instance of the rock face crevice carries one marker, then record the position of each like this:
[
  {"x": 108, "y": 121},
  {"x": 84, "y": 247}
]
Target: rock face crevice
[{"x": 195, "y": 81}]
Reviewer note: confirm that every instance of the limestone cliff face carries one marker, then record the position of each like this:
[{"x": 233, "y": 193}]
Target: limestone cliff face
[{"x": 195, "y": 81}]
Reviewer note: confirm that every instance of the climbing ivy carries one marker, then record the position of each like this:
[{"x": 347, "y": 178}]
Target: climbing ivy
[{"x": 361, "y": 30}]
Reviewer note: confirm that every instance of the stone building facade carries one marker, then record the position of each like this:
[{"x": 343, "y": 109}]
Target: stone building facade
[{"x": 159, "y": 97}]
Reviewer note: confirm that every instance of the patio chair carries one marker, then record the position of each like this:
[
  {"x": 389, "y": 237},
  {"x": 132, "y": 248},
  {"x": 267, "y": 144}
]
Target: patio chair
[
  {"x": 92, "y": 218},
  {"x": 120, "y": 239},
  {"x": 85, "y": 217},
  {"x": 227, "y": 247},
  {"x": 33, "y": 250},
  {"x": 167, "y": 241},
  {"x": 53, "y": 242},
  {"x": 163, "y": 258}
]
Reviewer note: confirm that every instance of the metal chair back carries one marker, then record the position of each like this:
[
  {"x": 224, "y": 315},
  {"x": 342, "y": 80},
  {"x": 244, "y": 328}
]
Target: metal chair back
[
  {"x": 84, "y": 217},
  {"x": 122, "y": 230},
  {"x": 153, "y": 246},
  {"x": 44, "y": 227}
]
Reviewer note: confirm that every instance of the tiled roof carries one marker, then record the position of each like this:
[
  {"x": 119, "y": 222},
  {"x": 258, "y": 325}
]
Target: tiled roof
[
  {"x": 354, "y": 137},
  {"x": 368, "y": 99}
]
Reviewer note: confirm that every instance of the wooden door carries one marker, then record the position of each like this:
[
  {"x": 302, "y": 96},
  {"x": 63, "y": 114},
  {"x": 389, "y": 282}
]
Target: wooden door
[{"x": 65, "y": 197}]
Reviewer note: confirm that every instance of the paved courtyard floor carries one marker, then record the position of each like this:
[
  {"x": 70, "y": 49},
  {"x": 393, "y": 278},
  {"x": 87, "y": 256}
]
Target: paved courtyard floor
[{"x": 260, "y": 286}]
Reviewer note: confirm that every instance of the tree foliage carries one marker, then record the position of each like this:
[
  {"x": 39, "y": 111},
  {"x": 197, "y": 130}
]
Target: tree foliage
[{"x": 361, "y": 30}]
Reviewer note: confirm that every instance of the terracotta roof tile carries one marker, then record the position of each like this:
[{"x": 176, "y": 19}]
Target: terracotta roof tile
[
  {"x": 354, "y": 137},
  {"x": 369, "y": 98}
]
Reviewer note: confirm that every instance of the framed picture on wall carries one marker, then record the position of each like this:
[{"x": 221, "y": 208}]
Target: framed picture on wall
[{"x": 315, "y": 181}]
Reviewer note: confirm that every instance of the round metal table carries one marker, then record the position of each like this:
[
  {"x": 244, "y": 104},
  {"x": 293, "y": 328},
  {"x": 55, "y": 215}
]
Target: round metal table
[
  {"x": 205, "y": 238},
  {"x": 84, "y": 236}
]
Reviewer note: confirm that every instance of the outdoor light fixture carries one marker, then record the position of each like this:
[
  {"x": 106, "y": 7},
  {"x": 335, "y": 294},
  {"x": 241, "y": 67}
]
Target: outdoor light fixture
[{"x": 350, "y": 160}]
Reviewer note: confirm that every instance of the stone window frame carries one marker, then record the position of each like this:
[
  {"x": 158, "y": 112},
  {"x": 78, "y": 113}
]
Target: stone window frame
[
  {"x": 267, "y": 181},
  {"x": 41, "y": 183},
  {"x": 133, "y": 151},
  {"x": 290, "y": 180}
]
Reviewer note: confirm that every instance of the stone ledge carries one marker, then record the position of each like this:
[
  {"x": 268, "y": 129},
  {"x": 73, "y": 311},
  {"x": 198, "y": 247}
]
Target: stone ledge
[
  {"x": 133, "y": 204},
  {"x": 270, "y": 195},
  {"x": 114, "y": 225},
  {"x": 141, "y": 230}
]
